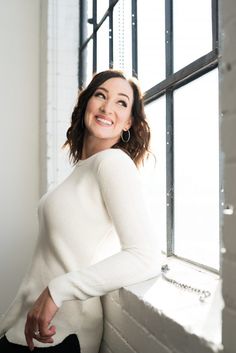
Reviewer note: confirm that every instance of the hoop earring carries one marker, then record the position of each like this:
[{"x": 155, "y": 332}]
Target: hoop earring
[{"x": 125, "y": 138}]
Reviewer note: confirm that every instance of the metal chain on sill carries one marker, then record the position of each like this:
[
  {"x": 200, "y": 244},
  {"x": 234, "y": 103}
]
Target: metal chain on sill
[{"x": 203, "y": 294}]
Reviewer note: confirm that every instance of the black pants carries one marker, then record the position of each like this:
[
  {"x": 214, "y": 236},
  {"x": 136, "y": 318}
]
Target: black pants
[{"x": 69, "y": 345}]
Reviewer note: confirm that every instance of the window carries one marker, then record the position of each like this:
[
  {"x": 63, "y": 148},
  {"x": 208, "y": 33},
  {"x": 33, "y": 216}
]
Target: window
[{"x": 172, "y": 47}]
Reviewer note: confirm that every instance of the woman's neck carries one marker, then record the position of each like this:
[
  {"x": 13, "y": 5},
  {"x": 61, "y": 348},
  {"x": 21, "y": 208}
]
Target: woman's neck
[{"x": 92, "y": 146}]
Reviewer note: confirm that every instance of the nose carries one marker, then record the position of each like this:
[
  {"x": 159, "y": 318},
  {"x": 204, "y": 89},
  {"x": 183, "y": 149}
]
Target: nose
[{"x": 106, "y": 108}]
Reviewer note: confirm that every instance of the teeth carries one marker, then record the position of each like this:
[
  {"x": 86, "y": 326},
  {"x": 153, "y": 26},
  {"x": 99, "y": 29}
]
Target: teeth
[{"x": 103, "y": 121}]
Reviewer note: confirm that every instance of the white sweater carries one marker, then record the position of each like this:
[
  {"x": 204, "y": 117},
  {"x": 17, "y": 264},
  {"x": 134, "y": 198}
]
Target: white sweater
[{"x": 95, "y": 236}]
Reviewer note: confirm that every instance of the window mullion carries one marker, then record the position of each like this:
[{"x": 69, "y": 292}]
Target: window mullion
[
  {"x": 169, "y": 129},
  {"x": 82, "y": 37},
  {"x": 94, "y": 36},
  {"x": 134, "y": 38},
  {"x": 185, "y": 75},
  {"x": 215, "y": 17},
  {"x": 170, "y": 173},
  {"x": 111, "y": 50}
]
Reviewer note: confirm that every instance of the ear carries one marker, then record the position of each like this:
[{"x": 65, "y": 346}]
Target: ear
[{"x": 128, "y": 123}]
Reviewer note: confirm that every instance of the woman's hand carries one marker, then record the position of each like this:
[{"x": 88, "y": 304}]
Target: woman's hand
[{"x": 39, "y": 318}]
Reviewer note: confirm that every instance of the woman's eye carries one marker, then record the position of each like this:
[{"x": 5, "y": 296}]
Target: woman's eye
[
  {"x": 99, "y": 94},
  {"x": 123, "y": 103}
]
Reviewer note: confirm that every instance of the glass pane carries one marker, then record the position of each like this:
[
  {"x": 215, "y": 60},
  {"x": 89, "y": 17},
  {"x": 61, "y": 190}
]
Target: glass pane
[
  {"x": 103, "y": 47},
  {"x": 192, "y": 30},
  {"x": 102, "y": 7},
  {"x": 151, "y": 42},
  {"x": 122, "y": 37},
  {"x": 90, "y": 16},
  {"x": 154, "y": 171},
  {"x": 196, "y": 170}
]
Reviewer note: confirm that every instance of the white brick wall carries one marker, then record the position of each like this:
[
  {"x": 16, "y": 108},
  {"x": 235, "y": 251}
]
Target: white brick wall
[
  {"x": 228, "y": 134},
  {"x": 132, "y": 325},
  {"x": 60, "y": 82}
]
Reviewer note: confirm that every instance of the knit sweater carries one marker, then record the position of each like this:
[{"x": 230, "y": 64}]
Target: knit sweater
[{"x": 95, "y": 236}]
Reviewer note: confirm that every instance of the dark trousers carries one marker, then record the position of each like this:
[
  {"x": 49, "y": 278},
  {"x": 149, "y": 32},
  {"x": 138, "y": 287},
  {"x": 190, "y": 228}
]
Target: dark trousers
[{"x": 69, "y": 345}]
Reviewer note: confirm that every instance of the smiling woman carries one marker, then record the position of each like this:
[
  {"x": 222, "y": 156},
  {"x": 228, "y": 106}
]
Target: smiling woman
[
  {"x": 95, "y": 232},
  {"x": 115, "y": 100},
  {"x": 108, "y": 114}
]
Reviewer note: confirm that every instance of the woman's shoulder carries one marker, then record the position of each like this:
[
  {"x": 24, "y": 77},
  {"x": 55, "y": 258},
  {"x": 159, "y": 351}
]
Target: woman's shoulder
[
  {"x": 114, "y": 156},
  {"x": 115, "y": 163}
]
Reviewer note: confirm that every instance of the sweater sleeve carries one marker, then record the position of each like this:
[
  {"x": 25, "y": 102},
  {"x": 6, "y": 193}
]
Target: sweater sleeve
[{"x": 139, "y": 258}]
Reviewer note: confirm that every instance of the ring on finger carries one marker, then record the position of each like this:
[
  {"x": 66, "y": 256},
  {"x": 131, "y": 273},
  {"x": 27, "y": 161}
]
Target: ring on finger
[{"x": 37, "y": 333}]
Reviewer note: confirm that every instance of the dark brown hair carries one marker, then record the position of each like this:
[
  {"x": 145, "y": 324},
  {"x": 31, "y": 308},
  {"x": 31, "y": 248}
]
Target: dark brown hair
[{"x": 138, "y": 145}]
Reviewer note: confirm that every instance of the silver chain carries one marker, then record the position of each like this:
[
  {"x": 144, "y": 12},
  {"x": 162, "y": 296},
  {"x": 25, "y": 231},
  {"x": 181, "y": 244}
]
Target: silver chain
[{"x": 203, "y": 294}]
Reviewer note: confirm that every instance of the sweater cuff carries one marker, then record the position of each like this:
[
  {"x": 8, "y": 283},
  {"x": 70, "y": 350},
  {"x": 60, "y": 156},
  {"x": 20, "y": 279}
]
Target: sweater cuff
[{"x": 63, "y": 288}]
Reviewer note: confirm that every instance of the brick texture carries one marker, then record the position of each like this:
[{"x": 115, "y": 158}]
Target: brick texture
[{"x": 228, "y": 145}]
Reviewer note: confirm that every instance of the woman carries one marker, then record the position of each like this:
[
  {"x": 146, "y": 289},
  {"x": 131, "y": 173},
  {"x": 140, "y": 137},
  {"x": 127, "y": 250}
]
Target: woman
[{"x": 95, "y": 234}]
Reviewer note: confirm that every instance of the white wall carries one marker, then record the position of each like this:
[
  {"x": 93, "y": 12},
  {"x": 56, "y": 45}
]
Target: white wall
[{"x": 19, "y": 154}]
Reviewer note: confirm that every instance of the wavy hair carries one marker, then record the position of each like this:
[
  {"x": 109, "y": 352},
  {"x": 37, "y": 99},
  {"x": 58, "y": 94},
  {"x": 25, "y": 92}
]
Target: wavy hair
[{"x": 138, "y": 145}]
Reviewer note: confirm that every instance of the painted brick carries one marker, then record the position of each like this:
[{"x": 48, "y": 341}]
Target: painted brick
[
  {"x": 144, "y": 313},
  {"x": 229, "y": 283},
  {"x": 229, "y": 232},
  {"x": 116, "y": 296},
  {"x": 112, "y": 311},
  {"x": 62, "y": 86},
  {"x": 139, "y": 337},
  {"x": 228, "y": 133},
  {"x": 227, "y": 11},
  {"x": 198, "y": 345},
  {"x": 181, "y": 340},
  {"x": 104, "y": 348},
  {"x": 229, "y": 184},
  {"x": 228, "y": 333},
  {"x": 115, "y": 341},
  {"x": 229, "y": 46},
  {"x": 228, "y": 87},
  {"x": 177, "y": 336}
]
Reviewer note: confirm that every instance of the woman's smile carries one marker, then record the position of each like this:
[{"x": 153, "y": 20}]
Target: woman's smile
[{"x": 103, "y": 120}]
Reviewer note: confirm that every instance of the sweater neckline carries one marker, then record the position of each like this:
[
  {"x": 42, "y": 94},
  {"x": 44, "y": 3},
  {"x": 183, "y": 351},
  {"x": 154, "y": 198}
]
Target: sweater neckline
[{"x": 86, "y": 160}]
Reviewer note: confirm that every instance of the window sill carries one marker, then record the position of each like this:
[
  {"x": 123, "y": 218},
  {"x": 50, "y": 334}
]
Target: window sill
[{"x": 175, "y": 316}]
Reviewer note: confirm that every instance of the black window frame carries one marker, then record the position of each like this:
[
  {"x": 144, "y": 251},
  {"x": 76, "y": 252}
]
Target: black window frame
[{"x": 172, "y": 81}]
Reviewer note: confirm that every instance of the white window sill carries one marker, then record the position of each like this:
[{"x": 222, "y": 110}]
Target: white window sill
[{"x": 181, "y": 319}]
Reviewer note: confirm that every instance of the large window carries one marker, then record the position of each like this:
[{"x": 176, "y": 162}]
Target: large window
[{"x": 172, "y": 47}]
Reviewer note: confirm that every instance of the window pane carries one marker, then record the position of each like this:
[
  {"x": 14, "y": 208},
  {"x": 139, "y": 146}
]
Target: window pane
[
  {"x": 102, "y": 7},
  {"x": 103, "y": 47},
  {"x": 90, "y": 16},
  {"x": 122, "y": 37},
  {"x": 154, "y": 172},
  {"x": 196, "y": 170},
  {"x": 151, "y": 42},
  {"x": 192, "y": 31}
]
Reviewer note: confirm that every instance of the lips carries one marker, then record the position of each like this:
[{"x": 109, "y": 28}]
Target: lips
[{"x": 103, "y": 120}]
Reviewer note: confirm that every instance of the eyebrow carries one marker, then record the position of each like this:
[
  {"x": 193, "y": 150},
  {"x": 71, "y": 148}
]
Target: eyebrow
[{"x": 120, "y": 94}]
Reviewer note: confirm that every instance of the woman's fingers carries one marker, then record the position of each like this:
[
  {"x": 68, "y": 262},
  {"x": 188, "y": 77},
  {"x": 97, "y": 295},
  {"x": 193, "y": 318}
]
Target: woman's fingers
[
  {"x": 44, "y": 336},
  {"x": 46, "y": 333},
  {"x": 38, "y": 320}
]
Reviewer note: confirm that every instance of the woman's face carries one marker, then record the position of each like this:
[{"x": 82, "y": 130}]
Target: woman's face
[{"x": 108, "y": 111}]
